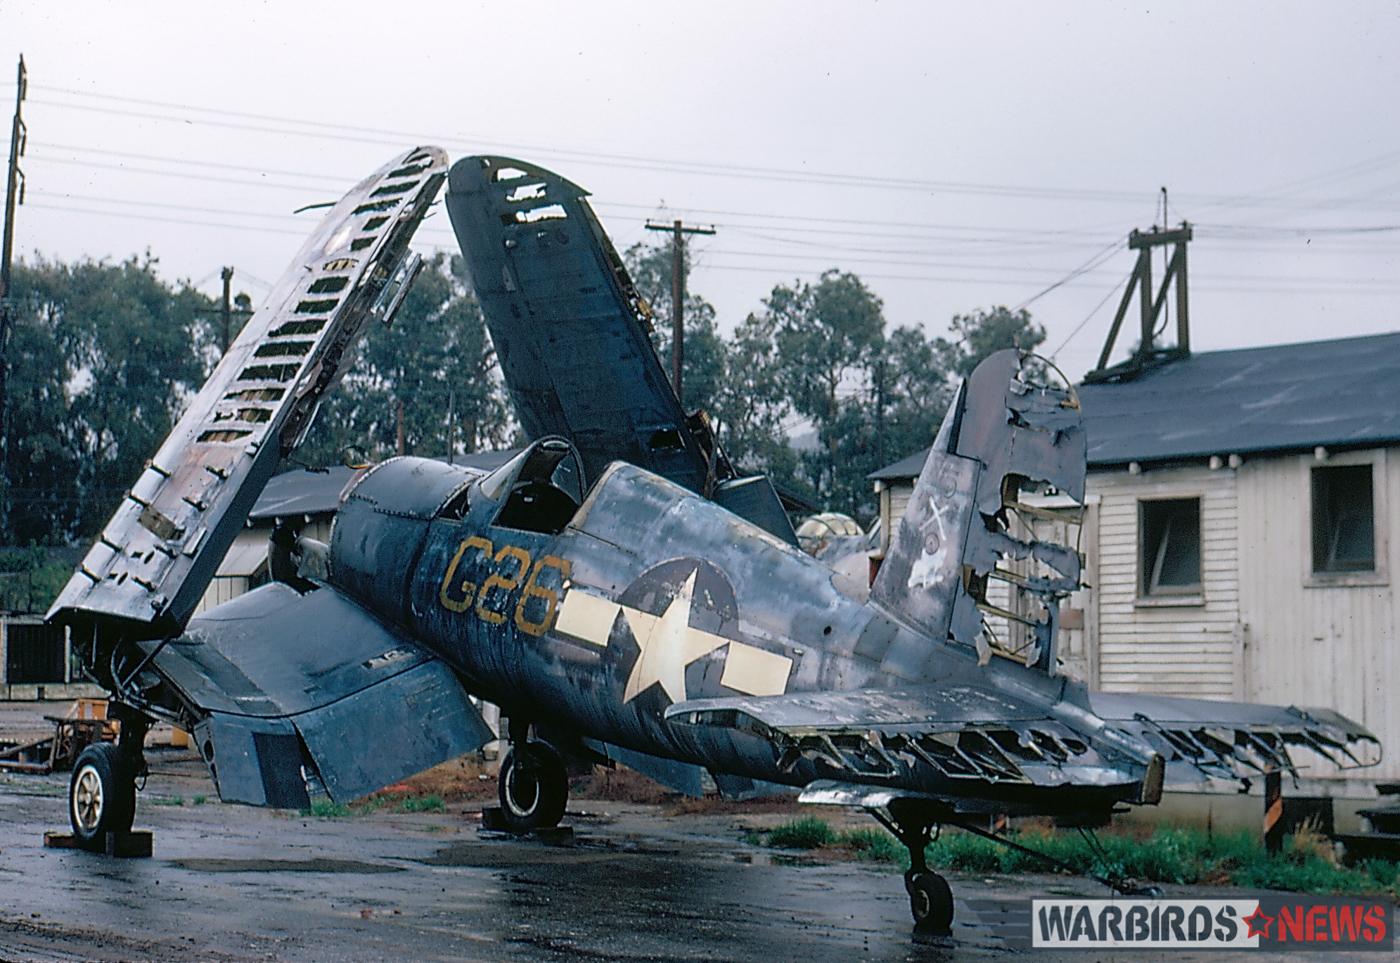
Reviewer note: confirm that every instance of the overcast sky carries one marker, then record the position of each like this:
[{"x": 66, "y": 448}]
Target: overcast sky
[{"x": 956, "y": 156}]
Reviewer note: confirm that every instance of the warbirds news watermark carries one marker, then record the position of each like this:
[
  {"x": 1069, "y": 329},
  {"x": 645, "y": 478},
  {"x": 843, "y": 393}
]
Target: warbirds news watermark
[{"x": 1274, "y": 922}]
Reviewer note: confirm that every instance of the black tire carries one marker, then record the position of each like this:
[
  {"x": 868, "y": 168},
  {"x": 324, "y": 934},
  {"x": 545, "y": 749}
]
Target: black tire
[
  {"x": 101, "y": 795},
  {"x": 533, "y": 787},
  {"x": 1148, "y": 892},
  {"x": 931, "y": 902}
]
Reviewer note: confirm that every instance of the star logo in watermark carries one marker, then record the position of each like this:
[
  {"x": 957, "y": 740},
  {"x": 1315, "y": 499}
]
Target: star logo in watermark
[{"x": 1259, "y": 923}]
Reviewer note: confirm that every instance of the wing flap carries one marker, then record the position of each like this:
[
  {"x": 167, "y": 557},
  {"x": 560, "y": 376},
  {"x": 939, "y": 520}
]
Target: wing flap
[{"x": 300, "y": 695}]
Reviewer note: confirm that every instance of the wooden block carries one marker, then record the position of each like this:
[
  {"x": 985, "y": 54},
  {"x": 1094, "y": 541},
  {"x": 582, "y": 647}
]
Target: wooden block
[
  {"x": 53, "y": 840},
  {"x": 133, "y": 845},
  {"x": 493, "y": 821}
]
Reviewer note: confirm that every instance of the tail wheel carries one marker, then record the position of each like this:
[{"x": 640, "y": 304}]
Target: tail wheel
[
  {"x": 931, "y": 902},
  {"x": 533, "y": 787},
  {"x": 101, "y": 795}
]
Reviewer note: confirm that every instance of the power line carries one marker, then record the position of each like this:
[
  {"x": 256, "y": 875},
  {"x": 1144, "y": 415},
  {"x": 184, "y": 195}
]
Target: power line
[
  {"x": 1092, "y": 264},
  {"x": 957, "y": 233},
  {"x": 1095, "y": 310},
  {"x": 1278, "y": 284},
  {"x": 360, "y": 133},
  {"x": 633, "y": 161}
]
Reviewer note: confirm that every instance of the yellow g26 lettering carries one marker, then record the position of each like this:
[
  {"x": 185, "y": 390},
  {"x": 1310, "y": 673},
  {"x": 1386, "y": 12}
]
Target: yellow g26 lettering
[{"x": 492, "y": 599}]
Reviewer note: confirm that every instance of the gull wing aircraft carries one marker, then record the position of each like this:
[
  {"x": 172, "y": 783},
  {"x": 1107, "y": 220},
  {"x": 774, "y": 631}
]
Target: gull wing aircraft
[{"x": 605, "y": 606}]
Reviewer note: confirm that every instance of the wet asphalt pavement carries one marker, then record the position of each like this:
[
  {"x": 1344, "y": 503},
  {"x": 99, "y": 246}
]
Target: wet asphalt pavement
[
  {"x": 234, "y": 883},
  {"x": 231, "y": 883}
]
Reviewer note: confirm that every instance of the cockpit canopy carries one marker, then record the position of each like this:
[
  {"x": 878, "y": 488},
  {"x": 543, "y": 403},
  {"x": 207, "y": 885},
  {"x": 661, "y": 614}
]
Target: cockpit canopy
[{"x": 538, "y": 490}]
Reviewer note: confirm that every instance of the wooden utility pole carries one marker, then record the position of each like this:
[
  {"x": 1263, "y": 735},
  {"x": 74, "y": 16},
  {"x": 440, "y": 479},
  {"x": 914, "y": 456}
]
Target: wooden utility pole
[
  {"x": 227, "y": 275},
  {"x": 400, "y": 448},
  {"x": 14, "y": 182},
  {"x": 14, "y": 196},
  {"x": 678, "y": 231}
]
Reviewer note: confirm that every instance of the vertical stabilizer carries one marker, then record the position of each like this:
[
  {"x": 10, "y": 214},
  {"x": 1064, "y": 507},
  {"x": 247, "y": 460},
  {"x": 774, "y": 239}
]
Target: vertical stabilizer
[{"x": 1009, "y": 457}]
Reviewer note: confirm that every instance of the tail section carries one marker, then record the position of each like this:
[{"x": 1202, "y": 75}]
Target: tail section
[{"x": 953, "y": 556}]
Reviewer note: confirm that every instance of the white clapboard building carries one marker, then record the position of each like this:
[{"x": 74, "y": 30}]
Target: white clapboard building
[{"x": 1243, "y": 508}]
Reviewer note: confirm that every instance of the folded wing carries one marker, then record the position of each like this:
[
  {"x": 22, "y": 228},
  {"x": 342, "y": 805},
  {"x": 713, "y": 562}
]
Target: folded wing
[{"x": 154, "y": 559}]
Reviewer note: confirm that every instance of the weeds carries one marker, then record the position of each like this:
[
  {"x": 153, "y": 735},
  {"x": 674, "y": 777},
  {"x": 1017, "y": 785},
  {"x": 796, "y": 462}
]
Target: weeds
[
  {"x": 1187, "y": 856},
  {"x": 806, "y": 833},
  {"x": 325, "y": 809},
  {"x": 199, "y": 800},
  {"x": 167, "y": 800},
  {"x": 421, "y": 804}
]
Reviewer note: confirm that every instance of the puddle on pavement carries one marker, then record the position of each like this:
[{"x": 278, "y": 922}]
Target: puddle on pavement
[
  {"x": 776, "y": 859},
  {"x": 283, "y": 866}
]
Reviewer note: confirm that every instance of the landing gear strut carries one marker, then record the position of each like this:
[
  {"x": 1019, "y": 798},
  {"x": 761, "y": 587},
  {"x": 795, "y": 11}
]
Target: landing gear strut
[
  {"x": 102, "y": 789},
  {"x": 533, "y": 784},
  {"x": 930, "y": 897}
]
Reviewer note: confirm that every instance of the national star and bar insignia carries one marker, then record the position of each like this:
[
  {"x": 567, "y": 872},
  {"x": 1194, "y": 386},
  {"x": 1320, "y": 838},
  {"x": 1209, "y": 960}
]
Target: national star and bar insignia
[{"x": 667, "y": 643}]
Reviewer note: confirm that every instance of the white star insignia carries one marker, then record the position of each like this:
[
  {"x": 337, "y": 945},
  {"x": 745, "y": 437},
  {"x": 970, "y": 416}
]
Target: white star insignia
[{"x": 668, "y": 644}]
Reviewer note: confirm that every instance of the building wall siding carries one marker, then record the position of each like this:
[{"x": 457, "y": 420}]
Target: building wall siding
[
  {"x": 1314, "y": 645},
  {"x": 221, "y": 589},
  {"x": 1184, "y": 650}
]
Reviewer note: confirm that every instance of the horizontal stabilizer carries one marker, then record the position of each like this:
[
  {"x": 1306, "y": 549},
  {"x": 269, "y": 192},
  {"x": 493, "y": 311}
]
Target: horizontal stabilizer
[
  {"x": 156, "y": 556},
  {"x": 296, "y": 695}
]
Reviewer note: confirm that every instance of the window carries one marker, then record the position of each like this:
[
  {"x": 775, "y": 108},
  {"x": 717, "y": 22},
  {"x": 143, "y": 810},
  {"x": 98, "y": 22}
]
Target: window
[
  {"x": 1169, "y": 536},
  {"x": 1343, "y": 519}
]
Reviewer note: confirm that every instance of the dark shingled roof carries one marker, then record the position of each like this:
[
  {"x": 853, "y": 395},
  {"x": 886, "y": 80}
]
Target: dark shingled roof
[
  {"x": 306, "y": 492},
  {"x": 1288, "y": 397}
]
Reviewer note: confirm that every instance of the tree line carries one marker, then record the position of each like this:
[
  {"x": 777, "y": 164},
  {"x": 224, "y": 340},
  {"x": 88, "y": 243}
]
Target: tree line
[{"x": 813, "y": 387}]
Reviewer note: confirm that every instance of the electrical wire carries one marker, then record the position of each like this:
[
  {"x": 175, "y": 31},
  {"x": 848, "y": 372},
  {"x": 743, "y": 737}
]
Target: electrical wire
[{"x": 326, "y": 130}]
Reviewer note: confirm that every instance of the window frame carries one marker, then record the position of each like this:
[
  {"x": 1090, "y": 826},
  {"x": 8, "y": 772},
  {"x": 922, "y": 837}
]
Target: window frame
[
  {"x": 1190, "y": 595},
  {"x": 1377, "y": 458}
]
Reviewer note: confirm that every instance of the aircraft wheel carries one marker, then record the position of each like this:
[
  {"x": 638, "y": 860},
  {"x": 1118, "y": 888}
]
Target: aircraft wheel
[
  {"x": 931, "y": 902},
  {"x": 533, "y": 787},
  {"x": 101, "y": 795}
]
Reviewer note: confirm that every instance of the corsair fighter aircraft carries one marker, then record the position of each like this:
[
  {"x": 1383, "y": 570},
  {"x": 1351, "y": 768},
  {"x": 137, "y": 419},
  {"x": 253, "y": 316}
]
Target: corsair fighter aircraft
[{"x": 612, "y": 612}]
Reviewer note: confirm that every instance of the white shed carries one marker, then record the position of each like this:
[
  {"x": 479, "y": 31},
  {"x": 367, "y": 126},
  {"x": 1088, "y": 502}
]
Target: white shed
[{"x": 1237, "y": 539}]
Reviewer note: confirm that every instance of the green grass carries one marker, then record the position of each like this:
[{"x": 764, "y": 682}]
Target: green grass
[
  {"x": 325, "y": 809},
  {"x": 167, "y": 800},
  {"x": 199, "y": 800},
  {"x": 1182, "y": 856},
  {"x": 421, "y": 804},
  {"x": 875, "y": 845},
  {"x": 806, "y": 833}
]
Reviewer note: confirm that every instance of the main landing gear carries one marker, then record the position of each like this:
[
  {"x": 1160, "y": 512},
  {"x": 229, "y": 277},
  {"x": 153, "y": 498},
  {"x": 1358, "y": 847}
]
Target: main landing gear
[
  {"x": 913, "y": 822},
  {"x": 102, "y": 789},
  {"x": 930, "y": 896},
  {"x": 533, "y": 783}
]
